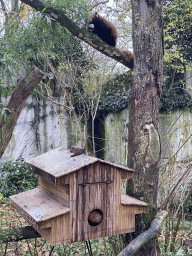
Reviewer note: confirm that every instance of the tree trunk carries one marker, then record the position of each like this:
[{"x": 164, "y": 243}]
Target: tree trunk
[
  {"x": 143, "y": 139},
  {"x": 16, "y": 104}
]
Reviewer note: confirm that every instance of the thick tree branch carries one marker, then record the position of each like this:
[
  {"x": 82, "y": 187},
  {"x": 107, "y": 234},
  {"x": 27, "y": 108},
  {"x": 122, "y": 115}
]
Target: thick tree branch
[
  {"x": 83, "y": 34},
  {"x": 16, "y": 234},
  {"x": 153, "y": 232},
  {"x": 15, "y": 105}
]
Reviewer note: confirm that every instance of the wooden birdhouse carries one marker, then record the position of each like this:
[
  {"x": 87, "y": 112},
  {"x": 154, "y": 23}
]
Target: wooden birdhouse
[{"x": 78, "y": 198}]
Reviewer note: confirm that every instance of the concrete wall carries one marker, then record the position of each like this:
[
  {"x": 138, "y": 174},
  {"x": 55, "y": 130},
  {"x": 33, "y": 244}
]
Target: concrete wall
[{"x": 38, "y": 130}]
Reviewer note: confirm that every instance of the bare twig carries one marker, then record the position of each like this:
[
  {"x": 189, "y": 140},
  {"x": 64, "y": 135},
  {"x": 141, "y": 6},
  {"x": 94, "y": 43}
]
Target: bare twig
[
  {"x": 186, "y": 171},
  {"x": 176, "y": 229},
  {"x": 97, "y": 4}
]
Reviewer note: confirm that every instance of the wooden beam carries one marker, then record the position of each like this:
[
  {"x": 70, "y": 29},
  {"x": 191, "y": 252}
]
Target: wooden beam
[{"x": 17, "y": 234}]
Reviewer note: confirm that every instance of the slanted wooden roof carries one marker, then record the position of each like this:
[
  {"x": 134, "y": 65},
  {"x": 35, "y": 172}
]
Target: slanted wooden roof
[
  {"x": 128, "y": 200},
  {"x": 37, "y": 206},
  {"x": 138, "y": 205},
  {"x": 60, "y": 162}
]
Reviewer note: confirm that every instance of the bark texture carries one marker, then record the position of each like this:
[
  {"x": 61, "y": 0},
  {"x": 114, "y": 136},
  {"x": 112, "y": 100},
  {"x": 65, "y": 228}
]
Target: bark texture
[
  {"x": 143, "y": 139},
  {"x": 16, "y": 104}
]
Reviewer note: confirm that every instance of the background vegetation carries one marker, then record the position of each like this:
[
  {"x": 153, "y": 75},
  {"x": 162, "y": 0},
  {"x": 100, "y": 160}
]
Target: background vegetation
[{"x": 30, "y": 39}]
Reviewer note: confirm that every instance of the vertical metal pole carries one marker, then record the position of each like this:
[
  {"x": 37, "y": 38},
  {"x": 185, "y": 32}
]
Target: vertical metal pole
[
  {"x": 51, "y": 250},
  {"x": 88, "y": 243}
]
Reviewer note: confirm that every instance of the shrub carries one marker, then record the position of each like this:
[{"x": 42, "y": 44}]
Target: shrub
[{"x": 15, "y": 177}]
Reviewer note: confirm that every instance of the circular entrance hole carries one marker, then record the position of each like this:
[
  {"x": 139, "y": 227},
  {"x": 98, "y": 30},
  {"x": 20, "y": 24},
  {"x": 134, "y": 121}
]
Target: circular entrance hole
[{"x": 95, "y": 217}]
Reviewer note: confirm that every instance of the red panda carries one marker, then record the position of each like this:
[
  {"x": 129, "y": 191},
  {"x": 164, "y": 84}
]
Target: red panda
[
  {"x": 104, "y": 29},
  {"x": 130, "y": 56},
  {"x": 128, "y": 53}
]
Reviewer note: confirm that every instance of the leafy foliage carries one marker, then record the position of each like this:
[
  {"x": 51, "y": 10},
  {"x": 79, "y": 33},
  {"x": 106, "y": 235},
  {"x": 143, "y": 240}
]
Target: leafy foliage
[
  {"x": 35, "y": 38},
  {"x": 16, "y": 178},
  {"x": 174, "y": 94},
  {"x": 115, "y": 102},
  {"x": 176, "y": 98},
  {"x": 184, "y": 232},
  {"x": 178, "y": 53},
  {"x": 77, "y": 11},
  {"x": 116, "y": 94},
  {"x": 41, "y": 38},
  {"x": 178, "y": 31}
]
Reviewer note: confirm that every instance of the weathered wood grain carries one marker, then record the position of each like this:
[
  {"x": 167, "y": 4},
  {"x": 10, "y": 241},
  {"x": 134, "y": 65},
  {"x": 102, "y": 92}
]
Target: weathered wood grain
[
  {"x": 57, "y": 163},
  {"x": 70, "y": 188},
  {"x": 58, "y": 192}
]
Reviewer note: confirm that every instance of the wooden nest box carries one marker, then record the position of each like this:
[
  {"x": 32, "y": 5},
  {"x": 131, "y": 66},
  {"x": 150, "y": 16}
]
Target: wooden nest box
[{"x": 78, "y": 198}]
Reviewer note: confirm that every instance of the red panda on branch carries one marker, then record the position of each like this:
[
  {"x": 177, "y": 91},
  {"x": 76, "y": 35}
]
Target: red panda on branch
[
  {"x": 107, "y": 31},
  {"x": 104, "y": 29}
]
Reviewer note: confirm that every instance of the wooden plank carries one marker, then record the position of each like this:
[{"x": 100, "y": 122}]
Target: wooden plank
[
  {"x": 41, "y": 173},
  {"x": 140, "y": 209},
  {"x": 46, "y": 233},
  {"x": 59, "y": 162},
  {"x": 127, "y": 218},
  {"x": 38, "y": 205},
  {"x": 91, "y": 197},
  {"x": 71, "y": 205},
  {"x": 131, "y": 201},
  {"x": 58, "y": 233},
  {"x": 110, "y": 210},
  {"x": 60, "y": 193},
  {"x": 63, "y": 180},
  {"x": 109, "y": 174},
  {"x": 126, "y": 175},
  {"x": 97, "y": 173},
  {"x": 74, "y": 200},
  {"x": 117, "y": 198}
]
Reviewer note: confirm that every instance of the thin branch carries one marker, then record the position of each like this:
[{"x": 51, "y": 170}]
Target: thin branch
[
  {"x": 83, "y": 34},
  {"x": 185, "y": 141},
  {"x": 97, "y": 4},
  {"x": 186, "y": 171},
  {"x": 176, "y": 229}
]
